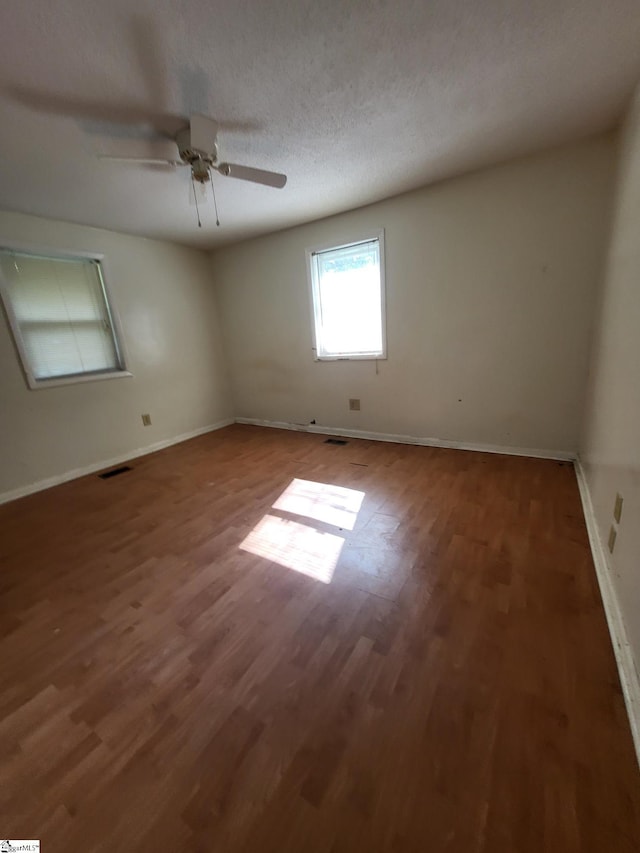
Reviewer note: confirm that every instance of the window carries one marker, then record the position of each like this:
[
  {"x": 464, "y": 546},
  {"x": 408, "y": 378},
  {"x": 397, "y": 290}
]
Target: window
[
  {"x": 59, "y": 313},
  {"x": 347, "y": 294}
]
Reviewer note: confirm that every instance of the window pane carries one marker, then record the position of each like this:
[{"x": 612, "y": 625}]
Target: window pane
[
  {"x": 60, "y": 308},
  {"x": 348, "y": 296}
]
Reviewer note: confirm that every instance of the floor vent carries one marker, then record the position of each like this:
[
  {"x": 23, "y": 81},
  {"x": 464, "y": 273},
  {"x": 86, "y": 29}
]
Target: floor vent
[
  {"x": 336, "y": 441},
  {"x": 114, "y": 472}
]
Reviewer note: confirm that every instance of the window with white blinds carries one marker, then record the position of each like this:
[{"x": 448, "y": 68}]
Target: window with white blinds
[
  {"x": 347, "y": 293},
  {"x": 60, "y": 317}
]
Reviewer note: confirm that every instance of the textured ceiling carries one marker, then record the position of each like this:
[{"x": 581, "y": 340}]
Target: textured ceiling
[{"x": 355, "y": 100}]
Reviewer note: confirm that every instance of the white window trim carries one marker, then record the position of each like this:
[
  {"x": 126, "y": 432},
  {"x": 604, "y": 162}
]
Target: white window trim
[
  {"x": 310, "y": 252},
  {"x": 64, "y": 254}
]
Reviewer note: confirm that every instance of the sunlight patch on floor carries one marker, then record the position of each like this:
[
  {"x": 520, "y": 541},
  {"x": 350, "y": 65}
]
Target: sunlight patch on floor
[
  {"x": 296, "y": 546},
  {"x": 299, "y": 545},
  {"x": 322, "y": 502}
]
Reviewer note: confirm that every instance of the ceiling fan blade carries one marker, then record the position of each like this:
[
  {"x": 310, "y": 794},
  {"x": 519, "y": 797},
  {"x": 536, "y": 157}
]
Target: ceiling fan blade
[
  {"x": 148, "y": 161},
  {"x": 257, "y": 176},
  {"x": 203, "y": 134}
]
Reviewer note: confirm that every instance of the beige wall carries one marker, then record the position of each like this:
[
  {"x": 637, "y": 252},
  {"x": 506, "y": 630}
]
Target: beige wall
[
  {"x": 164, "y": 297},
  {"x": 491, "y": 281},
  {"x": 611, "y": 442},
  {"x": 490, "y": 290}
]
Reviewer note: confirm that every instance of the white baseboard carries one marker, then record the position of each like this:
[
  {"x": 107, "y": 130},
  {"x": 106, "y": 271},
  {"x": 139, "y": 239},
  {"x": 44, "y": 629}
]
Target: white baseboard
[
  {"x": 563, "y": 455},
  {"x": 14, "y": 494},
  {"x": 617, "y": 630}
]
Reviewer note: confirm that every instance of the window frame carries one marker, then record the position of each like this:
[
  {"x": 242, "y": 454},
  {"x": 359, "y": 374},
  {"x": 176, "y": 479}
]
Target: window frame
[
  {"x": 313, "y": 285},
  {"x": 49, "y": 253}
]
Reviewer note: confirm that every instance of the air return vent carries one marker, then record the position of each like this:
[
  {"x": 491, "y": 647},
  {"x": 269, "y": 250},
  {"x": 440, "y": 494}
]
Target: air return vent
[
  {"x": 114, "y": 472},
  {"x": 336, "y": 441}
]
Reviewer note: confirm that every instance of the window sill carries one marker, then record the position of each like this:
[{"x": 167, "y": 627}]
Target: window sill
[
  {"x": 39, "y": 384},
  {"x": 350, "y": 358}
]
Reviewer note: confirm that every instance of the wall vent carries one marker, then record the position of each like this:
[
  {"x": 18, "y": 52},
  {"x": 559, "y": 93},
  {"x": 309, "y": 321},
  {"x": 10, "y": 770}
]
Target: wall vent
[{"x": 114, "y": 472}]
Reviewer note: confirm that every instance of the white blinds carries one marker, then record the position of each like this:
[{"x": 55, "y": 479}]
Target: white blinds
[
  {"x": 348, "y": 300},
  {"x": 61, "y": 312}
]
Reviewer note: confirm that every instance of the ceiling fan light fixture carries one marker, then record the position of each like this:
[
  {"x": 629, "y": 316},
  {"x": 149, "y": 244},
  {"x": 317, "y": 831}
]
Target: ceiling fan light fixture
[{"x": 200, "y": 171}]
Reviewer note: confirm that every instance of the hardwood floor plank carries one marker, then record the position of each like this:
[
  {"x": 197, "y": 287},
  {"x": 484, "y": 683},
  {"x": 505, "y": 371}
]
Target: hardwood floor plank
[{"x": 436, "y": 675}]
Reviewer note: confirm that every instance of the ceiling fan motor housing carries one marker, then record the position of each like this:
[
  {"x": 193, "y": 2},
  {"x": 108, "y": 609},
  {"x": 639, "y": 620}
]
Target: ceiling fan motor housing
[{"x": 191, "y": 155}]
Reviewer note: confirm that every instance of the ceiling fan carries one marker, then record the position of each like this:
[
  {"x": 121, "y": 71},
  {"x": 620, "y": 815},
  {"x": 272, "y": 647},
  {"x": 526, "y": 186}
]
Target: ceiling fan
[{"x": 198, "y": 149}]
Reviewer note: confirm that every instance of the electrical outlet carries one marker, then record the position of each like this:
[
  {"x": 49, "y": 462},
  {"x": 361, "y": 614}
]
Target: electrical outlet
[
  {"x": 617, "y": 509},
  {"x": 146, "y": 420},
  {"x": 354, "y": 404},
  {"x": 612, "y": 539}
]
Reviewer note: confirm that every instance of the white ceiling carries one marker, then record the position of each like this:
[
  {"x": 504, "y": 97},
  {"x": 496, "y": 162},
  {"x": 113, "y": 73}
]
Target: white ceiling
[{"x": 355, "y": 100}]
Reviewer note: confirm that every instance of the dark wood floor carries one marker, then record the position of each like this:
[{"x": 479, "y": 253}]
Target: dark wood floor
[{"x": 452, "y": 688}]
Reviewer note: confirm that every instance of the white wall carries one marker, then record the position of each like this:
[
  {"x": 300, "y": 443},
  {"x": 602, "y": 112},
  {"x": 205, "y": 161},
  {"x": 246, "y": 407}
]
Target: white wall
[
  {"x": 491, "y": 280},
  {"x": 610, "y": 448},
  {"x": 166, "y": 303}
]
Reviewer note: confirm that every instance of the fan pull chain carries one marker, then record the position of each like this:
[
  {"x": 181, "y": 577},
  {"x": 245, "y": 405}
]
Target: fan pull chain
[
  {"x": 195, "y": 197},
  {"x": 215, "y": 203}
]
